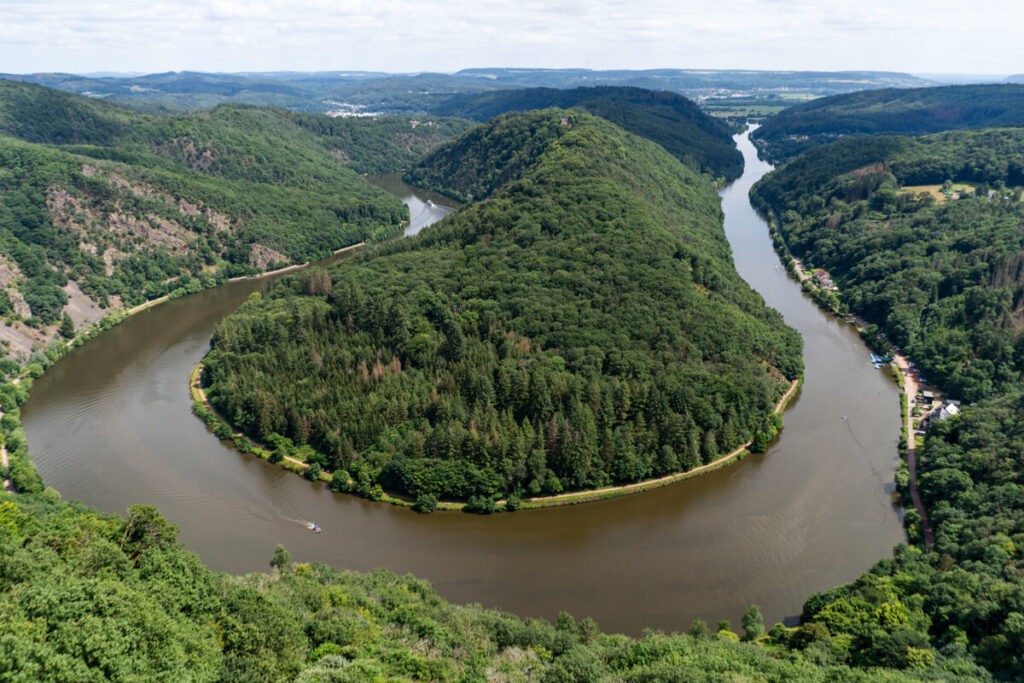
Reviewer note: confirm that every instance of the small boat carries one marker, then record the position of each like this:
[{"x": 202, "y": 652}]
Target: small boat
[
  {"x": 430, "y": 202},
  {"x": 315, "y": 528}
]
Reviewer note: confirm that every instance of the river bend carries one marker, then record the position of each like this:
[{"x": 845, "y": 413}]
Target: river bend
[{"x": 110, "y": 425}]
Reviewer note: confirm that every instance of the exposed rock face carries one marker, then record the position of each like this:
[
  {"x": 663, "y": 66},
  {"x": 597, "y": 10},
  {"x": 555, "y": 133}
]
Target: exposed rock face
[
  {"x": 10, "y": 275},
  {"x": 82, "y": 309},
  {"x": 261, "y": 256},
  {"x": 153, "y": 230}
]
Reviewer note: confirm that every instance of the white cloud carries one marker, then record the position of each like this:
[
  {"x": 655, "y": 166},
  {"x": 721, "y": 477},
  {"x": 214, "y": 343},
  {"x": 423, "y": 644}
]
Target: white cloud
[{"x": 414, "y": 35}]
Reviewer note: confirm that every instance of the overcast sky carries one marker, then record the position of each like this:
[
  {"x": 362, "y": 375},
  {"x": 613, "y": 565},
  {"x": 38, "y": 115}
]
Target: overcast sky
[{"x": 983, "y": 36}]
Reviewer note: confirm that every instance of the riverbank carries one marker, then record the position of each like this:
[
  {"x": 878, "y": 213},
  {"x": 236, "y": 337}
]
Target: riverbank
[
  {"x": 827, "y": 299},
  {"x": 208, "y": 414},
  {"x": 297, "y": 266},
  {"x": 57, "y": 348}
]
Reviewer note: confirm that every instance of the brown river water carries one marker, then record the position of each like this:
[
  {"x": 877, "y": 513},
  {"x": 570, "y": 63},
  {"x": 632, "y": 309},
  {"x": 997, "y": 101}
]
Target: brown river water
[{"x": 110, "y": 425}]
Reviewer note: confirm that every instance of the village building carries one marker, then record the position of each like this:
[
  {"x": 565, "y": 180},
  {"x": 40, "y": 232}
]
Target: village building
[{"x": 822, "y": 277}]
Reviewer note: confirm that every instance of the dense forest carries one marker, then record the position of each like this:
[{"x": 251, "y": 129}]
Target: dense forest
[
  {"x": 941, "y": 277},
  {"x": 130, "y": 207},
  {"x": 86, "y": 596},
  {"x": 671, "y": 120},
  {"x": 581, "y": 324},
  {"x": 902, "y": 111}
]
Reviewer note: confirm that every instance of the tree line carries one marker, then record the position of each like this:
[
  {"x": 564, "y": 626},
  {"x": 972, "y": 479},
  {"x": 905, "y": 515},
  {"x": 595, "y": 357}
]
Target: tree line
[{"x": 901, "y": 111}]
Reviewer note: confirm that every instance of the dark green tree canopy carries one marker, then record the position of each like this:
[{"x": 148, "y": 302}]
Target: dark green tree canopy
[
  {"x": 902, "y": 111},
  {"x": 671, "y": 120},
  {"x": 582, "y": 325}
]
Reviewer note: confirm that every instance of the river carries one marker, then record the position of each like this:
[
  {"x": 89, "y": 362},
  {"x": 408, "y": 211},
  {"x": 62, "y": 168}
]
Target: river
[{"x": 110, "y": 425}]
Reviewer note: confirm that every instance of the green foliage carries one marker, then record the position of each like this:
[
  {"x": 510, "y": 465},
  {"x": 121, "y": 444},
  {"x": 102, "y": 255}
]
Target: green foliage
[
  {"x": 942, "y": 281},
  {"x": 753, "y": 623},
  {"x": 915, "y": 111},
  {"x": 382, "y": 144},
  {"x": 425, "y": 503},
  {"x": 138, "y": 206},
  {"x": 282, "y": 559},
  {"x": 67, "y": 326},
  {"x": 673, "y": 121},
  {"x": 88, "y": 596},
  {"x": 580, "y": 327}
]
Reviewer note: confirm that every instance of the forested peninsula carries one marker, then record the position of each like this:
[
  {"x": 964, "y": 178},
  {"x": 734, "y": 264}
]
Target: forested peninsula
[
  {"x": 104, "y": 207},
  {"x": 923, "y": 238},
  {"x": 902, "y": 111},
  {"x": 581, "y": 324}
]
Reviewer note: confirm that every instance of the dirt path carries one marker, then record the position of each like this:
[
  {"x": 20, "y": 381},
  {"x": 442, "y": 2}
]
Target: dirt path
[{"x": 910, "y": 388}]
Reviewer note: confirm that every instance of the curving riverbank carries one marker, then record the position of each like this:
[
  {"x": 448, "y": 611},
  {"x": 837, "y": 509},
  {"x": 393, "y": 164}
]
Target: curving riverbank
[
  {"x": 110, "y": 425},
  {"x": 828, "y": 301},
  {"x": 245, "y": 444}
]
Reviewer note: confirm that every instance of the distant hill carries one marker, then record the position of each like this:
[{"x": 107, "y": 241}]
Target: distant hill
[
  {"x": 671, "y": 120},
  {"x": 703, "y": 80},
  {"x": 104, "y": 206},
  {"x": 891, "y": 111},
  {"x": 382, "y": 92},
  {"x": 311, "y": 92}
]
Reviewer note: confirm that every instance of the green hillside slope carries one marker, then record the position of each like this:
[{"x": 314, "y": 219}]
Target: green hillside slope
[
  {"x": 940, "y": 278},
  {"x": 916, "y": 111},
  {"x": 583, "y": 325},
  {"x": 104, "y": 206},
  {"x": 671, "y": 120}
]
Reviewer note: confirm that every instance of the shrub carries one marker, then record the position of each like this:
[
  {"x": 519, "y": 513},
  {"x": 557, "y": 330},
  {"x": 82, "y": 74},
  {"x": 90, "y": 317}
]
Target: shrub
[{"x": 425, "y": 503}]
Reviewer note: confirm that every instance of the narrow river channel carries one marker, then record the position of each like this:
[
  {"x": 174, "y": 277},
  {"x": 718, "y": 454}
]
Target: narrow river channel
[{"x": 110, "y": 425}]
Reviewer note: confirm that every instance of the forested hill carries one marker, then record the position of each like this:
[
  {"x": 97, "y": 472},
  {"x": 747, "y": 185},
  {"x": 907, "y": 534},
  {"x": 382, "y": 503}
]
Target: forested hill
[
  {"x": 488, "y": 157},
  {"x": 86, "y": 596},
  {"x": 941, "y": 277},
  {"x": 104, "y": 206},
  {"x": 583, "y": 325},
  {"x": 240, "y": 142},
  {"x": 671, "y": 120},
  {"x": 912, "y": 111},
  {"x": 939, "y": 269}
]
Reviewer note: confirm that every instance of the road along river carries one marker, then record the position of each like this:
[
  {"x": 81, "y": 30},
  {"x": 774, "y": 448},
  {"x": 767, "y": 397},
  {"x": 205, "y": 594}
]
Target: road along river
[{"x": 110, "y": 425}]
